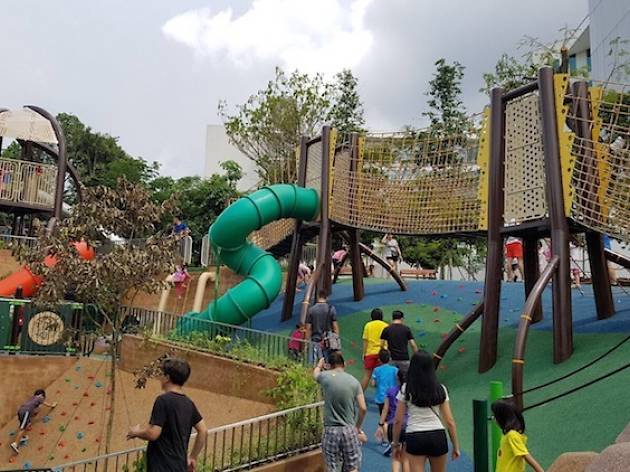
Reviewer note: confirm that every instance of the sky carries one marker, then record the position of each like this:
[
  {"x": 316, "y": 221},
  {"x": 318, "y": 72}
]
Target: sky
[{"x": 152, "y": 72}]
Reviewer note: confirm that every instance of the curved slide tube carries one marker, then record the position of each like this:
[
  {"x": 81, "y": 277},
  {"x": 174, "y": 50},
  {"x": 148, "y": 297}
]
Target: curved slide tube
[
  {"x": 29, "y": 282},
  {"x": 263, "y": 276}
]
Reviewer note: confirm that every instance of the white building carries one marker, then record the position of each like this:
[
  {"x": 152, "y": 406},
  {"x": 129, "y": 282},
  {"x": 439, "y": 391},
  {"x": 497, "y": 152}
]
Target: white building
[
  {"x": 596, "y": 49},
  {"x": 219, "y": 149}
]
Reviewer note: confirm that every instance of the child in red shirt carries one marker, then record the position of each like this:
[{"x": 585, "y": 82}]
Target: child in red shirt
[{"x": 296, "y": 343}]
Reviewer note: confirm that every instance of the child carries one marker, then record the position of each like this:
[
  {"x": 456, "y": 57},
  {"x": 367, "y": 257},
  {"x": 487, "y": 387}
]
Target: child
[
  {"x": 296, "y": 343},
  {"x": 513, "y": 453},
  {"x": 383, "y": 378},
  {"x": 180, "y": 278},
  {"x": 26, "y": 413},
  {"x": 386, "y": 422}
]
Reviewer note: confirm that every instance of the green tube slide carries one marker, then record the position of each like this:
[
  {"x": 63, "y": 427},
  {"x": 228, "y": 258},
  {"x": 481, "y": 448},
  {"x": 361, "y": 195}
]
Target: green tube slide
[{"x": 228, "y": 237}]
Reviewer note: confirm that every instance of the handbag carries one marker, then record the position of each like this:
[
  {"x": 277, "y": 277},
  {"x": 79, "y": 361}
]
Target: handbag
[{"x": 330, "y": 340}]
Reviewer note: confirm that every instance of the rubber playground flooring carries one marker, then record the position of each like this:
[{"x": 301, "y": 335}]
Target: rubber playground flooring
[
  {"x": 76, "y": 428},
  {"x": 587, "y": 420}
]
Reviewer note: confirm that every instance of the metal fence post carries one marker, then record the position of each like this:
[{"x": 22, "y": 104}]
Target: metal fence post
[
  {"x": 480, "y": 435},
  {"x": 496, "y": 393}
]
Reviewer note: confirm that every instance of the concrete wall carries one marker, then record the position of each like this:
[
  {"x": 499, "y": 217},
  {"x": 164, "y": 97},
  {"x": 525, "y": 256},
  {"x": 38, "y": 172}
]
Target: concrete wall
[
  {"x": 609, "y": 19},
  {"x": 219, "y": 149},
  {"x": 309, "y": 462},
  {"x": 208, "y": 372},
  {"x": 151, "y": 301},
  {"x": 22, "y": 374}
]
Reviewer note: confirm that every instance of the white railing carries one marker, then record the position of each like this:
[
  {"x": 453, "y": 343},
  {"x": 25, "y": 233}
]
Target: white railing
[
  {"x": 233, "y": 447},
  {"x": 11, "y": 241},
  {"x": 27, "y": 182}
]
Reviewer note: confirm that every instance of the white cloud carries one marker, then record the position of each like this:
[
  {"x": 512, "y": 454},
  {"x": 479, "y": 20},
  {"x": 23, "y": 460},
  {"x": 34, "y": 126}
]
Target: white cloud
[{"x": 309, "y": 35}]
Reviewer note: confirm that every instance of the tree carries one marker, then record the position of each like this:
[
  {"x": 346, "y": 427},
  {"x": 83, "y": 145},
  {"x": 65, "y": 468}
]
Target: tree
[
  {"x": 508, "y": 74},
  {"x": 346, "y": 114},
  {"x": 126, "y": 211},
  {"x": 268, "y": 126},
  {"x": 446, "y": 112}
]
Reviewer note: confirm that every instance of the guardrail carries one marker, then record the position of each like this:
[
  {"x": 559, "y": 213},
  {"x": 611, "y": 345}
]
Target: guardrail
[
  {"x": 238, "y": 342},
  {"x": 10, "y": 241},
  {"x": 27, "y": 182},
  {"x": 233, "y": 447}
]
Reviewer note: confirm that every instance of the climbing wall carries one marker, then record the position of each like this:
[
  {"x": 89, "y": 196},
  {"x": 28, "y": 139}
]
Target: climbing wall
[
  {"x": 524, "y": 162},
  {"x": 75, "y": 429}
]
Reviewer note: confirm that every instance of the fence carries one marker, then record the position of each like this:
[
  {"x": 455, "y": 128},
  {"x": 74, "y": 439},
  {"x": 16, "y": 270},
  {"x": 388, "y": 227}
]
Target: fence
[
  {"x": 11, "y": 241},
  {"x": 233, "y": 447},
  {"x": 238, "y": 342},
  {"x": 27, "y": 182}
]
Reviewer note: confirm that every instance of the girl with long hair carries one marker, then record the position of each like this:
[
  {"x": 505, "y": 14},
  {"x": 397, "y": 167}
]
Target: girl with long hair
[{"x": 426, "y": 402}]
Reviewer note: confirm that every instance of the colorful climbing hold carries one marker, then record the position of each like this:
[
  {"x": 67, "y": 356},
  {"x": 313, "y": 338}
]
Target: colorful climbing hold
[
  {"x": 408, "y": 302},
  {"x": 46, "y": 419},
  {"x": 58, "y": 392},
  {"x": 436, "y": 309},
  {"x": 478, "y": 290},
  {"x": 68, "y": 379},
  {"x": 77, "y": 368},
  {"x": 63, "y": 413},
  {"x": 91, "y": 377},
  {"x": 40, "y": 448},
  {"x": 91, "y": 422},
  {"x": 84, "y": 449},
  {"x": 436, "y": 320},
  {"x": 434, "y": 293},
  {"x": 80, "y": 435},
  {"x": 461, "y": 349},
  {"x": 92, "y": 403},
  {"x": 75, "y": 403},
  {"x": 421, "y": 333},
  {"x": 66, "y": 457},
  {"x": 351, "y": 362},
  {"x": 11, "y": 434},
  {"x": 85, "y": 394},
  {"x": 12, "y": 459},
  {"x": 76, "y": 418},
  {"x": 27, "y": 465},
  {"x": 443, "y": 296}
]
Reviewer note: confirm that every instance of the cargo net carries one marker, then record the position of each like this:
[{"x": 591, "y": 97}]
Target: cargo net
[
  {"x": 524, "y": 162},
  {"x": 314, "y": 166},
  {"x": 408, "y": 183},
  {"x": 273, "y": 233},
  {"x": 601, "y": 175}
]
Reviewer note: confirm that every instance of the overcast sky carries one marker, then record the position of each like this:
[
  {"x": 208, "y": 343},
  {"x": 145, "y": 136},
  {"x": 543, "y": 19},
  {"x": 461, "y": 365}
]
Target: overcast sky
[{"x": 152, "y": 71}]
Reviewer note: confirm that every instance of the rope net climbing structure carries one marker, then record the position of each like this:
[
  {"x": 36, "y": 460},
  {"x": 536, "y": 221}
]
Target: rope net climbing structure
[
  {"x": 411, "y": 183},
  {"x": 601, "y": 173}
]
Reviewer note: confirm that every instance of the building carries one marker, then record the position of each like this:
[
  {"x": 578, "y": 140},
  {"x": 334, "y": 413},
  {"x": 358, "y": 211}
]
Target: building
[
  {"x": 219, "y": 149},
  {"x": 600, "y": 48}
]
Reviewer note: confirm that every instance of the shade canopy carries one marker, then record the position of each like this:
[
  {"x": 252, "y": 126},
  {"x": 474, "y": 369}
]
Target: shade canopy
[{"x": 27, "y": 125}]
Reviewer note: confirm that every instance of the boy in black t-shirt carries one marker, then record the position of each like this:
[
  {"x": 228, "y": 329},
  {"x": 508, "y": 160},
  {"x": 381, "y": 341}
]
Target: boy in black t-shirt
[
  {"x": 395, "y": 338},
  {"x": 172, "y": 419}
]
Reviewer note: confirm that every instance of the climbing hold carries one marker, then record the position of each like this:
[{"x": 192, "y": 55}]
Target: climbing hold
[
  {"x": 84, "y": 449},
  {"x": 408, "y": 302},
  {"x": 353, "y": 344},
  {"x": 85, "y": 394},
  {"x": 91, "y": 377},
  {"x": 68, "y": 379},
  {"x": 80, "y": 435},
  {"x": 66, "y": 457},
  {"x": 423, "y": 346},
  {"x": 351, "y": 362},
  {"x": 92, "y": 403},
  {"x": 63, "y": 413},
  {"x": 98, "y": 440},
  {"x": 51, "y": 458},
  {"x": 434, "y": 293},
  {"x": 42, "y": 432},
  {"x": 61, "y": 444},
  {"x": 11, "y": 434},
  {"x": 473, "y": 303},
  {"x": 77, "y": 387},
  {"x": 421, "y": 333},
  {"x": 29, "y": 428},
  {"x": 460, "y": 286},
  {"x": 436, "y": 320},
  {"x": 443, "y": 366},
  {"x": 76, "y": 418},
  {"x": 419, "y": 320},
  {"x": 91, "y": 422},
  {"x": 58, "y": 392},
  {"x": 461, "y": 349},
  {"x": 46, "y": 419},
  {"x": 62, "y": 428},
  {"x": 77, "y": 368},
  {"x": 443, "y": 296},
  {"x": 23, "y": 441},
  {"x": 444, "y": 335},
  {"x": 27, "y": 465},
  {"x": 478, "y": 290},
  {"x": 40, "y": 448},
  {"x": 436, "y": 309},
  {"x": 75, "y": 403}
]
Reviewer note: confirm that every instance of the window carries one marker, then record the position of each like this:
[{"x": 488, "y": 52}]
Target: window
[
  {"x": 572, "y": 64},
  {"x": 588, "y": 59}
]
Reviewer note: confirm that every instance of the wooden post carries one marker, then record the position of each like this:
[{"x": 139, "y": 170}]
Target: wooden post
[
  {"x": 532, "y": 272},
  {"x": 325, "y": 236},
  {"x": 562, "y": 315},
  {"x": 296, "y": 244},
  {"x": 494, "y": 261}
]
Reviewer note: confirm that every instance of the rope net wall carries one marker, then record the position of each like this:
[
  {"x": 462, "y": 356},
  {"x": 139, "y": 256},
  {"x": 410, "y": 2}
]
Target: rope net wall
[
  {"x": 408, "y": 183},
  {"x": 601, "y": 173}
]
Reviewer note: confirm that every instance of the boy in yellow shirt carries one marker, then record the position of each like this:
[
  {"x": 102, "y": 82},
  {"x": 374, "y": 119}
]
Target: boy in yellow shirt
[
  {"x": 513, "y": 454},
  {"x": 372, "y": 345}
]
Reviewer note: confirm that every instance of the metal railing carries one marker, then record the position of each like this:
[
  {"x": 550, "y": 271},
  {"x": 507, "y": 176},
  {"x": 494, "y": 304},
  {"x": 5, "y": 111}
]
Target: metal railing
[
  {"x": 27, "y": 182},
  {"x": 10, "y": 241},
  {"x": 233, "y": 447},
  {"x": 237, "y": 342}
]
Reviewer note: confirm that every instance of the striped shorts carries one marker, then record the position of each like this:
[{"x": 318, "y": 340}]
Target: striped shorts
[{"x": 341, "y": 446}]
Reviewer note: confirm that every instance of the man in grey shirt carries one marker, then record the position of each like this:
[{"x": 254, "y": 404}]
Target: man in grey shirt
[
  {"x": 320, "y": 319},
  {"x": 344, "y": 411}
]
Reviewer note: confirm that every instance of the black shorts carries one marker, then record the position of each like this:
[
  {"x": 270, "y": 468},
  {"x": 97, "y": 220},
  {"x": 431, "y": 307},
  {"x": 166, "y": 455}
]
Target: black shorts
[
  {"x": 427, "y": 443},
  {"x": 390, "y": 434},
  {"x": 24, "y": 418}
]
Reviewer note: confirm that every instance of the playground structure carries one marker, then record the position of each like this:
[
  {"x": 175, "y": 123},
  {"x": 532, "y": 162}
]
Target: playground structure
[{"x": 550, "y": 159}]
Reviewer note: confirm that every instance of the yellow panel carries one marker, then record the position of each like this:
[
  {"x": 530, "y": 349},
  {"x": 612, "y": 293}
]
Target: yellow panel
[
  {"x": 601, "y": 150},
  {"x": 565, "y": 138},
  {"x": 483, "y": 161}
]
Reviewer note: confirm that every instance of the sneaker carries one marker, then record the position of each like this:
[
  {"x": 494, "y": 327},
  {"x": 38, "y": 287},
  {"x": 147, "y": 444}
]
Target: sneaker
[
  {"x": 15, "y": 448},
  {"x": 388, "y": 451}
]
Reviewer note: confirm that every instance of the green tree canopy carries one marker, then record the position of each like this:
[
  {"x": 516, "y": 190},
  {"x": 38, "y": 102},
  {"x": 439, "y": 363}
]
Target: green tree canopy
[
  {"x": 346, "y": 113},
  {"x": 268, "y": 126}
]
